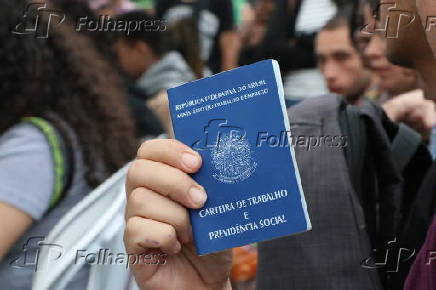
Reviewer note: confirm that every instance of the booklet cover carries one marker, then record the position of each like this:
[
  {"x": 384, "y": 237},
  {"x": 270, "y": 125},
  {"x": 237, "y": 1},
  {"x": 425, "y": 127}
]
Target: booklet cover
[{"x": 237, "y": 121}]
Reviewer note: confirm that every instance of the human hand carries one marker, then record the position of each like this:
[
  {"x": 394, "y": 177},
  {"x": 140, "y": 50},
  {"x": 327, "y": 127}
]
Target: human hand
[
  {"x": 159, "y": 191},
  {"x": 414, "y": 110}
]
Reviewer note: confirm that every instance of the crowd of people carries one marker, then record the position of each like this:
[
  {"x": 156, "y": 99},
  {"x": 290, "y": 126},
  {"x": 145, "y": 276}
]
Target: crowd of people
[{"x": 80, "y": 103}]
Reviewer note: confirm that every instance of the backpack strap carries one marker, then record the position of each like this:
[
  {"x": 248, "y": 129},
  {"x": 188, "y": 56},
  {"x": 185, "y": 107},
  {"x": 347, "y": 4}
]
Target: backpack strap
[
  {"x": 352, "y": 125},
  {"x": 59, "y": 154},
  {"x": 404, "y": 146}
]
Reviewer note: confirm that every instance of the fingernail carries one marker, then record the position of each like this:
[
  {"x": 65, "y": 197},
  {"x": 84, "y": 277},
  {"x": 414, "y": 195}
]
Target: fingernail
[
  {"x": 190, "y": 160},
  {"x": 198, "y": 195}
]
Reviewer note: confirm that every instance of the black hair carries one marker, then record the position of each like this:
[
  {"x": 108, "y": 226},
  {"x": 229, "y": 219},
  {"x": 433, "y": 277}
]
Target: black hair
[
  {"x": 342, "y": 18},
  {"x": 150, "y": 30},
  {"x": 64, "y": 74},
  {"x": 76, "y": 9},
  {"x": 350, "y": 16},
  {"x": 373, "y": 4}
]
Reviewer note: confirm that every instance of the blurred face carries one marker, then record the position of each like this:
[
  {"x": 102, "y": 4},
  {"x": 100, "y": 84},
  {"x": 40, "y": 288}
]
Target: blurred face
[
  {"x": 132, "y": 57},
  {"x": 340, "y": 63},
  {"x": 263, "y": 9},
  {"x": 393, "y": 79}
]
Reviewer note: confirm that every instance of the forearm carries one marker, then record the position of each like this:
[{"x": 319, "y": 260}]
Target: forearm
[{"x": 11, "y": 231}]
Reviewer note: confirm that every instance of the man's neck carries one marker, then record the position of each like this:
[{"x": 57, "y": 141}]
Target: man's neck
[{"x": 358, "y": 97}]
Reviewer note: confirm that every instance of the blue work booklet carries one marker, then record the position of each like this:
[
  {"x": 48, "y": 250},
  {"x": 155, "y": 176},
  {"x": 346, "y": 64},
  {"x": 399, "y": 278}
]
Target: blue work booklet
[{"x": 237, "y": 121}]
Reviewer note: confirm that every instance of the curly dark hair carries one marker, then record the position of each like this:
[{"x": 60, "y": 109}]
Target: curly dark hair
[{"x": 64, "y": 74}]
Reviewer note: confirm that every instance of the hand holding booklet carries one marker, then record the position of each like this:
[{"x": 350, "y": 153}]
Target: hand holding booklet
[{"x": 237, "y": 121}]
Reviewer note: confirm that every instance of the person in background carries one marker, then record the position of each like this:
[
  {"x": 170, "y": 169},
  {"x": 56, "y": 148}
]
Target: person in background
[
  {"x": 147, "y": 125},
  {"x": 168, "y": 217},
  {"x": 413, "y": 109},
  {"x": 289, "y": 39},
  {"x": 60, "y": 100},
  {"x": 393, "y": 79},
  {"x": 340, "y": 62},
  {"x": 147, "y": 58},
  {"x": 399, "y": 88},
  {"x": 253, "y": 28},
  {"x": 213, "y": 21},
  {"x": 422, "y": 275},
  {"x": 415, "y": 48}
]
